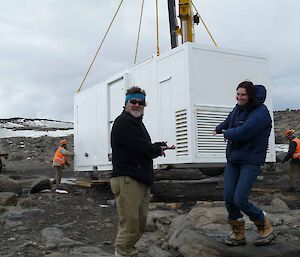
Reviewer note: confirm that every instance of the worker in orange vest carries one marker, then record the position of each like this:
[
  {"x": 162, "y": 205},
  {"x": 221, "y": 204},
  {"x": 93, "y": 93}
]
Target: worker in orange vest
[
  {"x": 294, "y": 155},
  {"x": 60, "y": 159}
]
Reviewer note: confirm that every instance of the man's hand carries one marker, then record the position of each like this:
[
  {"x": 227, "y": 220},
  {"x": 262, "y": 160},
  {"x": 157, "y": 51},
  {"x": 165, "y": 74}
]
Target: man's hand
[
  {"x": 166, "y": 147},
  {"x": 162, "y": 153}
]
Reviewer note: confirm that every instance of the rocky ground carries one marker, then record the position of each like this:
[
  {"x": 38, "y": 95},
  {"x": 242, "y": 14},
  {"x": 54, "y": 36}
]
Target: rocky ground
[
  {"x": 83, "y": 223},
  {"x": 285, "y": 120}
]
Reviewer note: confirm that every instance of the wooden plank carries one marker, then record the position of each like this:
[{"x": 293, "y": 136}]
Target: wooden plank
[
  {"x": 5, "y": 155},
  {"x": 103, "y": 181},
  {"x": 174, "y": 205},
  {"x": 259, "y": 190},
  {"x": 83, "y": 183},
  {"x": 265, "y": 190},
  {"x": 187, "y": 190},
  {"x": 205, "y": 203},
  {"x": 292, "y": 197}
]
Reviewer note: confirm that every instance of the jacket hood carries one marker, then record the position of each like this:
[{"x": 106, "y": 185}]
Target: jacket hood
[{"x": 261, "y": 93}]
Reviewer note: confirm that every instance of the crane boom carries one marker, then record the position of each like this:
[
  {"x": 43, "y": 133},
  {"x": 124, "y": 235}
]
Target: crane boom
[
  {"x": 173, "y": 23},
  {"x": 186, "y": 29},
  {"x": 186, "y": 21}
]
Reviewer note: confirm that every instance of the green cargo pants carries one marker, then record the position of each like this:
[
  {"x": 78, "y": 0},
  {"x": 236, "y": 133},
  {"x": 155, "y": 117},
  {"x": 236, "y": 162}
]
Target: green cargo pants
[
  {"x": 58, "y": 175},
  {"x": 132, "y": 199}
]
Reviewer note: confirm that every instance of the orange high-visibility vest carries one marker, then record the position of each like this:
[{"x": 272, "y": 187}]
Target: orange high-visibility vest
[
  {"x": 296, "y": 154},
  {"x": 58, "y": 157}
]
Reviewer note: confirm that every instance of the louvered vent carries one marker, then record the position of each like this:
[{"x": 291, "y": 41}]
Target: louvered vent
[
  {"x": 207, "y": 118},
  {"x": 181, "y": 133}
]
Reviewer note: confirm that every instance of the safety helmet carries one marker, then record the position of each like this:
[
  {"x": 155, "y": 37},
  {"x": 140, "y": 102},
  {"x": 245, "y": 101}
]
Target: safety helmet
[
  {"x": 289, "y": 132},
  {"x": 63, "y": 142}
]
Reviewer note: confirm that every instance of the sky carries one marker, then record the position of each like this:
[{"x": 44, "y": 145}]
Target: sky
[{"x": 46, "y": 46}]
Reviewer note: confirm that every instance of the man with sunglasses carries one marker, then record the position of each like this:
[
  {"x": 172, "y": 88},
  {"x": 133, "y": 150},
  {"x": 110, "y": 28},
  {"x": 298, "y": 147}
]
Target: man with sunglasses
[{"x": 132, "y": 175}]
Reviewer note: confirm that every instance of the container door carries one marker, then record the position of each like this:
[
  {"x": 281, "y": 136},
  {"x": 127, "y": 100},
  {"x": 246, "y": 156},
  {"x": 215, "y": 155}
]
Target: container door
[{"x": 116, "y": 100}]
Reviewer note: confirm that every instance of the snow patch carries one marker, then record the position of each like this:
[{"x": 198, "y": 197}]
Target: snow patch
[
  {"x": 19, "y": 127},
  {"x": 5, "y": 133},
  {"x": 282, "y": 148}
]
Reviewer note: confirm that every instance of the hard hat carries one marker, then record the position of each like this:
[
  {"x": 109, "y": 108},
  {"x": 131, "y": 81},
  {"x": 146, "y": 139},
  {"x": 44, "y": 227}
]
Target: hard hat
[
  {"x": 63, "y": 142},
  {"x": 289, "y": 132}
]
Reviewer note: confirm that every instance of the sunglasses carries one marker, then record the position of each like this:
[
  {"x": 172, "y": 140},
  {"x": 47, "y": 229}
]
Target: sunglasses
[{"x": 133, "y": 101}]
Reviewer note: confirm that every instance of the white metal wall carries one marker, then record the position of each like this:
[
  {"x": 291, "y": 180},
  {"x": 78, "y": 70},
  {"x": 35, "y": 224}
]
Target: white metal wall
[
  {"x": 90, "y": 137},
  {"x": 173, "y": 101},
  {"x": 214, "y": 76},
  {"x": 189, "y": 90}
]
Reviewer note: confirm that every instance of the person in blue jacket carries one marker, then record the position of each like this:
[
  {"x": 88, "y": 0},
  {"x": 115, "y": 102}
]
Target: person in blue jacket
[{"x": 246, "y": 130}]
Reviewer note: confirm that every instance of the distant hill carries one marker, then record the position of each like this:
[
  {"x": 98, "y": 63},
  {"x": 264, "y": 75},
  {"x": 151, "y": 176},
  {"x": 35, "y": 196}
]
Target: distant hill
[
  {"x": 20, "y": 127},
  {"x": 284, "y": 120},
  {"x": 19, "y": 123}
]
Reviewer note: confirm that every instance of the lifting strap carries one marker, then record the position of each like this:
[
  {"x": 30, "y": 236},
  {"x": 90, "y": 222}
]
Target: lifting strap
[
  {"x": 204, "y": 24},
  {"x": 137, "y": 44},
  {"x": 139, "y": 31},
  {"x": 86, "y": 74},
  {"x": 157, "y": 32}
]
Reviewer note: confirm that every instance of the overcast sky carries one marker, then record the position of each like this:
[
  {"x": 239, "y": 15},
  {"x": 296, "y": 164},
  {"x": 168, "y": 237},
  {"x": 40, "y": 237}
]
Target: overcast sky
[{"x": 47, "y": 45}]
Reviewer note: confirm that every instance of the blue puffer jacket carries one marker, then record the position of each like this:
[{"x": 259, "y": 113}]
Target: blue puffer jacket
[{"x": 247, "y": 130}]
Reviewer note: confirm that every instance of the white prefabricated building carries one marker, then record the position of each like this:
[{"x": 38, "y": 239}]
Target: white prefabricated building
[{"x": 189, "y": 91}]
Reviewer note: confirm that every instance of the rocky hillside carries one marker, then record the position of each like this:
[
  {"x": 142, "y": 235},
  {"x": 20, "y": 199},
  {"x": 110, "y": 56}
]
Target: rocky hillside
[{"x": 284, "y": 120}]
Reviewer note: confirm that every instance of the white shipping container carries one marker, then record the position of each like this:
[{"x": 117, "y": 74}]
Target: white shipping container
[{"x": 189, "y": 91}]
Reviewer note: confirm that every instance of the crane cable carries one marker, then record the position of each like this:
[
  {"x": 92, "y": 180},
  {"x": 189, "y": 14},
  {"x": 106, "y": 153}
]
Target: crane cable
[
  {"x": 86, "y": 74},
  {"x": 157, "y": 32},
  {"x": 139, "y": 31},
  {"x": 204, "y": 25}
]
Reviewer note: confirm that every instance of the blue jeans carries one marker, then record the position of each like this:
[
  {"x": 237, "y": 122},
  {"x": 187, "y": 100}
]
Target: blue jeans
[{"x": 238, "y": 181}]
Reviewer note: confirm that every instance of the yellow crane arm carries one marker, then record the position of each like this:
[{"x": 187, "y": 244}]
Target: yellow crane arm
[{"x": 186, "y": 21}]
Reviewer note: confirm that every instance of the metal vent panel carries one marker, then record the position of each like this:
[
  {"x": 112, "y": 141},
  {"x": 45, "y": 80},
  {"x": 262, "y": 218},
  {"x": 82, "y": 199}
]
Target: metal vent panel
[
  {"x": 181, "y": 133},
  {"x": 207, "y": 118}
]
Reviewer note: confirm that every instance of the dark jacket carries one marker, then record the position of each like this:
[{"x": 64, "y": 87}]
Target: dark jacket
[
  {"x": 247, "y": 130},
  {"x": 132, "y": 150}
]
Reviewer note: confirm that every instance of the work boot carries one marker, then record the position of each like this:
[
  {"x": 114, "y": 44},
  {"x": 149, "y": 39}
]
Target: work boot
[
  {"x": 265, "y": 230},
  {"x": 134, "y": 254},
  {"x": 119, "y": 255},
  {"x": 237, "y": 236}
]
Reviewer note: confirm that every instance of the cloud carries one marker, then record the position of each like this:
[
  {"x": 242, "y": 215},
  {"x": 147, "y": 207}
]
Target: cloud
[
  {"x": 46, "y": 46},
  {"x": 285, "y": 91}
]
